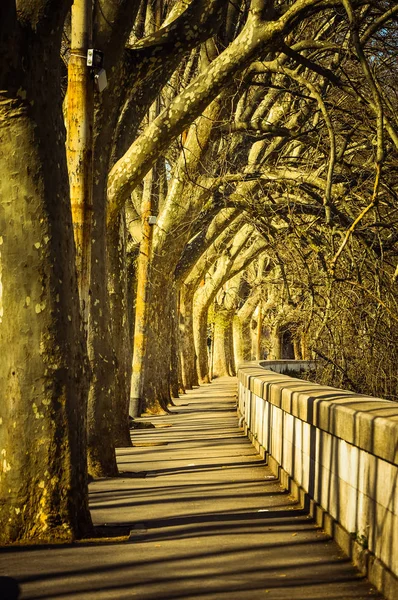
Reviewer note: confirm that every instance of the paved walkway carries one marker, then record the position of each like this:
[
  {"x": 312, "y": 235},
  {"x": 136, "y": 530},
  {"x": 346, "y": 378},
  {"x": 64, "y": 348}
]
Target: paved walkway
[{"x": 207, "y": 520}]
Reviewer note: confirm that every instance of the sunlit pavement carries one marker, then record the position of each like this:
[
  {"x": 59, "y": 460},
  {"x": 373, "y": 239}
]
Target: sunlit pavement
[{"x": 205, "y": 519}]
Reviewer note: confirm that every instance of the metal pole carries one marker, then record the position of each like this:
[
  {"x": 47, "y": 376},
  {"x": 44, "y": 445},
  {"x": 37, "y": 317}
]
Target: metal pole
[{"x": 79, "y": 144}]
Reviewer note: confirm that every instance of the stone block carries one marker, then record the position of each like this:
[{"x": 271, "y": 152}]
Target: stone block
[
  {"x": 339, "y": 452},
  {"x": 387, "y": 485},
  {"x": 386, "y": 538}
]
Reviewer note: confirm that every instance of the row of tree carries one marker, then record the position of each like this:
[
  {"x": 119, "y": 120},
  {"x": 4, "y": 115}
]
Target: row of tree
[{"x": 262, "y": 135}]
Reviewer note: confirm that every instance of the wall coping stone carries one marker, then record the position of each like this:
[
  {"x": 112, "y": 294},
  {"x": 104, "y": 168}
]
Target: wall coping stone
[{"x": 364, "y": 421}]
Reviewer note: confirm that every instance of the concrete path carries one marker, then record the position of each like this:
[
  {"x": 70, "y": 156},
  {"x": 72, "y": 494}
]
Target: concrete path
[{"x": 206, "y": 520}]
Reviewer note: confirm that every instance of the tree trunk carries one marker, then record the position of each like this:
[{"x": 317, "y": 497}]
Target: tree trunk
[
  {"x": 111, "y": 30},
  {"x": 223, "y": 357},
  {"x": 296, "y": 348},
  {"x": 100, "y": 422},
  {"x": 242, "y": 332},
  {"x": 119, "y": 299},
  {"x": 242, "y": 341},
  {"x": 44, "y": 369},
  {"x": 141, "y": 323},
  {"x": 305, "y": 351},
  {"x": 287, "y": 350},
  {"x": 177, "y": 215},
  {"x": 200, "y": 337},
  {"x": 175, "y": 369},
  {"x": 260, "y": 318},
  {"x": 187, "y": 343},
  {"x": 228, "y": 266},
  {"x": 156, "y": 384},
  {"x": 276, "y": 344}
]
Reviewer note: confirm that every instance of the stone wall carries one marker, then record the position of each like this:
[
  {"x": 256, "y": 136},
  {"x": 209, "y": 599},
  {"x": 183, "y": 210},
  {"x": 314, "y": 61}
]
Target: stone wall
[{"x": 338, "y": 453}]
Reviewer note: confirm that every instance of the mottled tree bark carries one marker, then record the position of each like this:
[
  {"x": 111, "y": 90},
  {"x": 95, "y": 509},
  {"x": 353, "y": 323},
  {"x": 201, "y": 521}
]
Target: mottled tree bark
[
  {"x": 176, "y": 385},
  {"x": 44, "y": 369},
  {"x": 186, "y": 337},
  {"x": 275, "y": 352},
  {"x": 166, "y": 253},
  {"x": 112, "y": 26},
  {"x": 198, "y": 256},
  {"x": 223, "y": 362},
  {"x": 100, "y": 421},
  {"x": 228, "y": 265},
  {"x": 200, "y": 337},
  {"x": 135, "y": 80},
  {"x": 156, "y": 388},
  {"x": 224, "y": 310},
  {"x": 119, "y": 299},
  {"x": 148, "y": 207},
  {"x": 242, "y": 332},
  {"x": 297, "y": 349}
]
